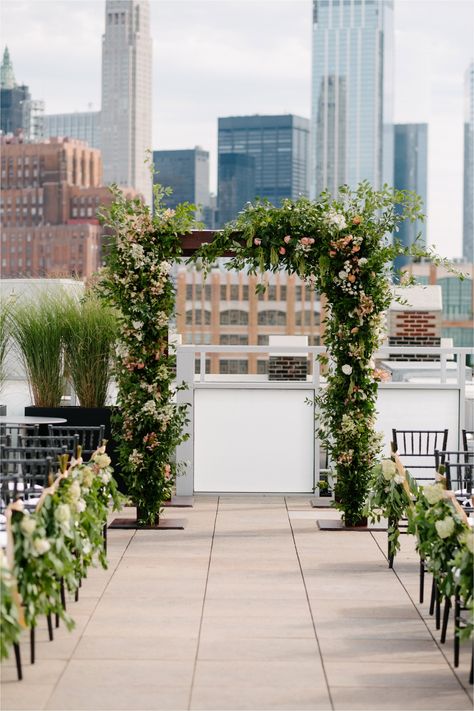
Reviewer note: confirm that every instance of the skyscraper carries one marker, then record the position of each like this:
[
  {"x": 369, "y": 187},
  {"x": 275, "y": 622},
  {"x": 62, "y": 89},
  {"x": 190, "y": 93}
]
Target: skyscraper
[
  {"x": 468, "y": 201},
  {"x": 236, "y": 184},
  {"x": 126, "y": 94},
  {"x": 411, "y": 173},
  {"x": 186, "y": 172},
  {"x": 19, "y": 113},
  {"x": 351, "y": 114},
  {"x": 279, "y": 146}
]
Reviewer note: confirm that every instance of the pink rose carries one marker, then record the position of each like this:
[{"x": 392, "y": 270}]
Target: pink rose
[
  {"x": 282, "y": 250},
  {"x": 311, "y": 240},
  {"x": 305, "y": 240},
  {"x": 257, "y": 242},
  {"x": 287, "y": 239}
]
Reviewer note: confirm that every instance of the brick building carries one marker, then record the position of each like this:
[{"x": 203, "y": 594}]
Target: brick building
[
  {"x": 48, "y": 202},
  {"x": 224, "y": 309}
]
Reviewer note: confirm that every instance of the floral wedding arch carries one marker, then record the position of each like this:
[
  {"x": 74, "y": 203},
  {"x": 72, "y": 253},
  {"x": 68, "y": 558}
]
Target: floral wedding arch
[{"x": 342, "y": 247}]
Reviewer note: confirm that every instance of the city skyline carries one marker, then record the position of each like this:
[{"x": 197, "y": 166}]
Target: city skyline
[{"x": 206, "y": 54}]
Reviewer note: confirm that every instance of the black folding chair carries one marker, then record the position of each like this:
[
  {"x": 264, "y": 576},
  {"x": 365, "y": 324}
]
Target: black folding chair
[
  {"x": 416, "y": 449},
  {"x": 89, "y": 438}
]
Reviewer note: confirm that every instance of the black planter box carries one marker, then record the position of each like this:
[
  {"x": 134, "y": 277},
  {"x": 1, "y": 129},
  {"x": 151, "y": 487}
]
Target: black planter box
[{"x": 83, "y": 417}]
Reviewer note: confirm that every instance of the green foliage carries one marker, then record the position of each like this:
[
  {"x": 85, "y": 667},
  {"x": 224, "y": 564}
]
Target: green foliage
[
  {"x": 440, "y": 530},
  {"x": 5, "y": 306},
  {"x": 37, "y": 329},
  {"x": 341, "y": 248},
  {"x": 61, "y": 539},
  {"x": 137, "y": 284},
  {"x": 90, "y": 334},
  {"x": 462, "y": 566},
  {"x": 391, "y": 496},
  {"x": 9, "y": 614}
]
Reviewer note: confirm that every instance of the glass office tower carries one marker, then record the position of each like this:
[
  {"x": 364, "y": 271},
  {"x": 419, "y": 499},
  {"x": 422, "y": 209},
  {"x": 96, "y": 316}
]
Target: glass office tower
[
  {"x": 352, "y": 94},
  {"x": 411, "y": 173},
  {"x": 279, "y": 147},
  {"x": 468, "y": 197}
]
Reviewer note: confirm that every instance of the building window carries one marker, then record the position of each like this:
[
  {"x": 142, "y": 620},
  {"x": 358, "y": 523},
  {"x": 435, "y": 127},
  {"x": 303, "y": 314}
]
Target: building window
[
  {"x": 234, "y": 292},
  {"x": 233, "y": 339},
  {"x": 200, "y": 317},
  {"x": 263, "y": 340},
  {"x": 233, "y": 367},
  {"x": 189, "y": 292},
  {"x": 272, "y": 318},
  {"x": 303, "y": 318},
  {"x": 223, "y": 292},
  {"x": 234, "y": 317}
]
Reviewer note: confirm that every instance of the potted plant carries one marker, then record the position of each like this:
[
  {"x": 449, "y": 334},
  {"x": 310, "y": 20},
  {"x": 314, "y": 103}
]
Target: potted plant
[
  {"x": 4, "y": 346},
  {"x": 37, "y": 331}
]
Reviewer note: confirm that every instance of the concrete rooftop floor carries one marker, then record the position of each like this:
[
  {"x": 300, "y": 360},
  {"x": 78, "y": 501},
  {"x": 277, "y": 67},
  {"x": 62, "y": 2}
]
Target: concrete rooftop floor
[{"x": 250, "y": 607}]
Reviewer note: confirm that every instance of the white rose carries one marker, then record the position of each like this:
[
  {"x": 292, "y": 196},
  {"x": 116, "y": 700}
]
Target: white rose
[
  {"x": 75, "y": 490},
  {"x": 389, "y": 470},
  {"x": 102, "y": 460},
  {"x": 28, "y": 525},
  {"x": 41, "y": 546},
  {"x": 362, "y": 261},
  {"x": 62, "y": 513},
  {"x": 445, "y": 527},
  {"x": 138, "y": 325},
  {"x": 87, "y": 477},
  {"x": 343, "y": 274},
  {"x": 86, "y": 546},
  {"x": 106, "y": 477},
  {"x": 467, "y": 538},
  {"x": 80, "y": 506},
  {"x": 347, "y": 369},
  {"x": 433, "y": 493}
]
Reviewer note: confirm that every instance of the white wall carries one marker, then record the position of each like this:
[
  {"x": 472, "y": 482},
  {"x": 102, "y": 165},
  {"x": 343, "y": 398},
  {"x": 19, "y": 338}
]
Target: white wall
[{"x": 253, "y": 440}]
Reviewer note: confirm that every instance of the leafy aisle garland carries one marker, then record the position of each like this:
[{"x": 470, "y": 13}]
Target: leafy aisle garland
[
  {"x": 58, "y": 541},
  {"x": 137, "y": 282}
]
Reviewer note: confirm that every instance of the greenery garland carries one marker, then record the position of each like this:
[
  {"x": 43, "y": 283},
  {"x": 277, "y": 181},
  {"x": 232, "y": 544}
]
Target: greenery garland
[
  {"x": 440, "y": 531},
  {"x": 59, "y": 540},
  {"x": 137, "y": 282},
  {"x": 392, "y": 493},
  {"x": 342, "y": 249}
]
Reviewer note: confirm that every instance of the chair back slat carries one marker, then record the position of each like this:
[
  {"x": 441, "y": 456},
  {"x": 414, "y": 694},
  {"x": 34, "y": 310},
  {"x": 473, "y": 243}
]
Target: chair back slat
[
  {"x": 417, "y": 449},
  {"x": 88, "y": 437}
]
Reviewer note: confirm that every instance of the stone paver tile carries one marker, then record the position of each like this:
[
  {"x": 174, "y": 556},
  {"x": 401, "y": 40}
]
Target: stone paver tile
[
  {"x": 393, "y": 699},
  {"x": 140, "y": 647},
  {"x": 290, "y": 675},
  {"x": 275, "y": 649},
  {"x": 263, "y": 698},
  {"x": 339, "y": 628},
  {"x": 408, "y": 650},
  {"x": 350, "y": 608},
  {"x": 44, "y": 672},
  {"x": 182, "y": 627},
  {"x": 257, "y": 607},
  {"x": 391, "y": 674},
  {"x": 113, "y": 685},
  {"x": 238, "y": 628},
  {"x": 24, "y": 695}
]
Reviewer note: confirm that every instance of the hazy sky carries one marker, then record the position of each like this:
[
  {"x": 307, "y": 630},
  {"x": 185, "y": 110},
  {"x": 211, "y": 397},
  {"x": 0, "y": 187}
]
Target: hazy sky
[{"x": 229, "y": 57}]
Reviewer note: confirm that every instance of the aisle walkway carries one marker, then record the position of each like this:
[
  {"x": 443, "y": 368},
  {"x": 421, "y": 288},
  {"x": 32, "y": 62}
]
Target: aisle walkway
[{"x": 250, "y": 607}]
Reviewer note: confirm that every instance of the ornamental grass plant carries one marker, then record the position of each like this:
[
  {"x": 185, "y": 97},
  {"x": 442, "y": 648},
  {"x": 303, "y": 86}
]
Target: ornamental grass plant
[
  {"x": 4, "y": 338},
  {"x": 37, "y": 327},
  {"x": 90, "y": 335}
]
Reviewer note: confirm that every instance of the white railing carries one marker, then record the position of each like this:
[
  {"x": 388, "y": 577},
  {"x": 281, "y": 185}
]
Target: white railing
[{"x": 421, "y": 395}]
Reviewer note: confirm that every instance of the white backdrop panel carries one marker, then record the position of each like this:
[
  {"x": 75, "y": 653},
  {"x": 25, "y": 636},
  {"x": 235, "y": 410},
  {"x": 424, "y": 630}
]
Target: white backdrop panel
[
  {"x": 418, "y": 409},
  {"x": 253, "y": 440}
]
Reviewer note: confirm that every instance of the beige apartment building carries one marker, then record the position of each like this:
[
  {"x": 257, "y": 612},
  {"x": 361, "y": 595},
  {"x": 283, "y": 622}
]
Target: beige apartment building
[{"x": 225, "y": 309}]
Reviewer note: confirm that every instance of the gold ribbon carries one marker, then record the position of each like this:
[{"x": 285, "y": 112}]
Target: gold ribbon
[{"x": 401, "y": 470}]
